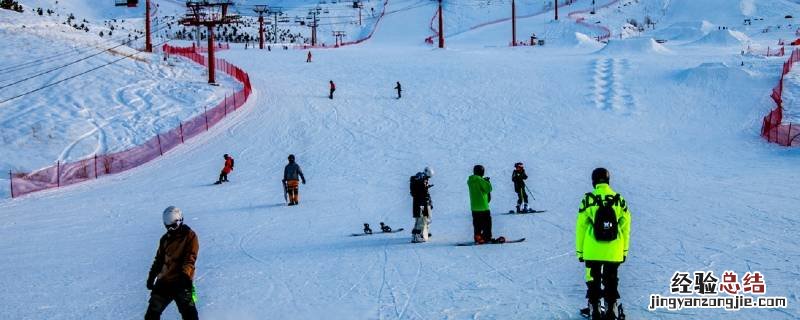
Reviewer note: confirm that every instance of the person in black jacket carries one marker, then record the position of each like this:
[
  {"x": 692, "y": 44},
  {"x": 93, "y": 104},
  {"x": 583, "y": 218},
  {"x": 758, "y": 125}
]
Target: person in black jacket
[
  {"x": 518, "y": 177},
  {"x": 399, "y": 89},
  {"x": 421, "y": 204}
]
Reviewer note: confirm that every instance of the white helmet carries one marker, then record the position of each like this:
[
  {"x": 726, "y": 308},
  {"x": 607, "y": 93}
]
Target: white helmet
[
  {"x": 173, "y": 217},
  {"x": 428, "y": 171}
]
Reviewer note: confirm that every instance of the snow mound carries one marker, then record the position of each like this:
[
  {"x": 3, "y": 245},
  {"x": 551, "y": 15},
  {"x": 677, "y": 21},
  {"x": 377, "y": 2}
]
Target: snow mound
[
  {"x": 586, "y": 41},
  {"x": 634, "y": 46},
  {"x": 723, "y": 38},
  {"x": 716, "y": 73},
  {"x": 685, "y": 31}
]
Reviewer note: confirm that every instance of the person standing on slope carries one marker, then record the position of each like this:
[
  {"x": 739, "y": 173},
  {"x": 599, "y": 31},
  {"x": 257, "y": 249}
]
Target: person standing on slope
[
  {"x": 421, "y": 204},
  {"x": 518, "y": 177},
  {"x": 479, "y": 197},
  {"x": 308, "y": 58},
  {"x": 602, "y": 238},
  {"x": 226, "y": 169},
  {"x": 171, "y": 274},
  {"x": 399, "y": 89},
  {"x": 332, "y": 89},
  {"x": 292, "y": 175}
]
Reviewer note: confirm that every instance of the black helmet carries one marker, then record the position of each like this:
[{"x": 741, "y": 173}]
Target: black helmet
[
  {"x": 225, "y": 156},
  {"x": 291, "y": 158},
  {"x": 600, "y": 175},
  {"x": 478, "y": 170},
  {"x": 518, "y": 164}
]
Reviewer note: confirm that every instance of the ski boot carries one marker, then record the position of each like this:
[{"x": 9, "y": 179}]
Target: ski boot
[
  {"x": 218, "y": 182},
  {"x": 479, "y": 239},
  {"x": 385, "y": 228},
  {"x": 367, "y": 230},
  {"x": 614, "y": 311},
  {"x": 593, "y": 311},
  {"x": 518, "y": 210},
  {"x": 525, "y": 208}
]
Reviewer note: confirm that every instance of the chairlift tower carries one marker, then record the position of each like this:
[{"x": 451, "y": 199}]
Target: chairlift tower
[
  {"x": 261, "y": 10},
  {"x": 209, "y": 14}
]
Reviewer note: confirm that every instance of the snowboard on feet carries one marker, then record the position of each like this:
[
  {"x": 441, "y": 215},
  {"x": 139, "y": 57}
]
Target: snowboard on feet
[{"x": 472, "y": 243}]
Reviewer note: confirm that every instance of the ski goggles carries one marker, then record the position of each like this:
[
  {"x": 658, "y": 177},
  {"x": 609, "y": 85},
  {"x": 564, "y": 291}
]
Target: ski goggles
[{"x": 174, "y": 226}]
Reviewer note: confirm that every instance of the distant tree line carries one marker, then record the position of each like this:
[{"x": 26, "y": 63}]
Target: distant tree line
[{"x": 10, "y": 5}]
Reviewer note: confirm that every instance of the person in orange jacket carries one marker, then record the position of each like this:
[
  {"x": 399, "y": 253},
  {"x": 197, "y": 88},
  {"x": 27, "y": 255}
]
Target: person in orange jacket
[{"x": 223, "y": 176}]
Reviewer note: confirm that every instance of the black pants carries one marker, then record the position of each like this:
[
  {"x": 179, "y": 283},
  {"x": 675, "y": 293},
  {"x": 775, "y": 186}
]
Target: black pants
[
  {"x": 330, "y": 96},
  {"x": 522, "y": 196},
  {"x": 223, "y": 177},
  {"x": 160, "y": 299},
  {"x": 482, "y": 224},
  {"x": 399, "y": 95},
  {"x": 604, "y": 273}
]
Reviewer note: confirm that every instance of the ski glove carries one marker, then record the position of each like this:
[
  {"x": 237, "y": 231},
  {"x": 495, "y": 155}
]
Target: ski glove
[
  {"x": 184, "y": 281},
  {"x": 151, "y": 283}
]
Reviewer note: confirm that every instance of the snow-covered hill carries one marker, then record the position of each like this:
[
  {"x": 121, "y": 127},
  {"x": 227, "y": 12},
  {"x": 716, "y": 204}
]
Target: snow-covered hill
[{"x": 677, "y": 123}]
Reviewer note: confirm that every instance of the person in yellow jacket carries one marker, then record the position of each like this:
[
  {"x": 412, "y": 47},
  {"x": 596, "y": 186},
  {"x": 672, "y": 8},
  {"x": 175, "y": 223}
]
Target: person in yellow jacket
[{"x": 602, "y": 238}]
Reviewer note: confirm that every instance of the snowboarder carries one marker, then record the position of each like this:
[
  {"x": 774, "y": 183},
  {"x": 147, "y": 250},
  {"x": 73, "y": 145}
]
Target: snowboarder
[
  {"x": 399, "y": 90},
  {"x": 480, "y": 194},
  {"x": 421, "y": 204},
  {"x": 226, "y": 169},
  {"x": 292, "y": 175},
  {"x": 308, "y": 59},
  {"x": 602, "y": 237},
  {"x": 518, "y": 177},
  {"x": 171, "y": 274},
  {"x": 333, "y": 88}
]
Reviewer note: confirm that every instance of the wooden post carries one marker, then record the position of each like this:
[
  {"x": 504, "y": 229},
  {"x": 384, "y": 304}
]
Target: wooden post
[
  {"x": 95, "y": 166},
  {"x": 11, "y": 180},
  {"x": 225, "y": 104},
  {"x": 789, "y": 136},
  {"x": 58, "y": 173},
  {"x": 181, "y": 124},
  {"x": 159, "y": 144},
  {"x": 234, "y": 100}
]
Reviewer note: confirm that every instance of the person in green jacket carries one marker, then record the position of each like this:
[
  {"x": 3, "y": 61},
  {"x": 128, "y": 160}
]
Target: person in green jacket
[
  {"x": 602, "y": 250},
  {"x": 480, "y": 190}
]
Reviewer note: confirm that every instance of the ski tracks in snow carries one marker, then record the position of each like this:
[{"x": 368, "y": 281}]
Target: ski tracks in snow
[{"x": 609, "y": 91}]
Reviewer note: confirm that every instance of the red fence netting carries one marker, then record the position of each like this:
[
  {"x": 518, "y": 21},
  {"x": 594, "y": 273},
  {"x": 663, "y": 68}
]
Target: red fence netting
[
  {"x": 63, "y": 174},
  {"x": 773, "y": 129}
]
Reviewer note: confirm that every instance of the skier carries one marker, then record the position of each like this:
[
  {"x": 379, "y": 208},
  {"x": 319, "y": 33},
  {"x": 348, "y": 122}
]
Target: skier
[
  {"x": 171, "y": 274},
  {"x": 602, "y": 237},
  {"x": 292, "y": 175},
  {"x": 479, "y": 197},
  {"x": 399, "y": 90},
  {"x": 421, "y": 204},
  {"x": 519, "y": 177},
  {"x": 333, "y": 88},
  {"x": 226, "y": 169},
  {"x": 308, "y": 59}
]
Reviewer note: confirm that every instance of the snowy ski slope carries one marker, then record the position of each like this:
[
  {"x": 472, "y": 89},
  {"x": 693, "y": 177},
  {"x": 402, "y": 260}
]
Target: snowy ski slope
[{"x": 676, "y": 124}]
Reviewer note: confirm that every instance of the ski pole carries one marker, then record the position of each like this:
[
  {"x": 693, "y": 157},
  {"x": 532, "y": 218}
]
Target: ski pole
[{"x": 530, "y": 193}]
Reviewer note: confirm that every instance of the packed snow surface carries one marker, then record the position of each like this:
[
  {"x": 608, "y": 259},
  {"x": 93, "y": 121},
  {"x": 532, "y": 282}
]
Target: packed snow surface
[{"x": 679, "y": 133}]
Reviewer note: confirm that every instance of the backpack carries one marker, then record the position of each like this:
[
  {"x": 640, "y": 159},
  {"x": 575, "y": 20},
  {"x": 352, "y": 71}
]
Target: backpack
[
  {"x": 605, "y": 219},
  {"x": 417, "y": 185}
]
